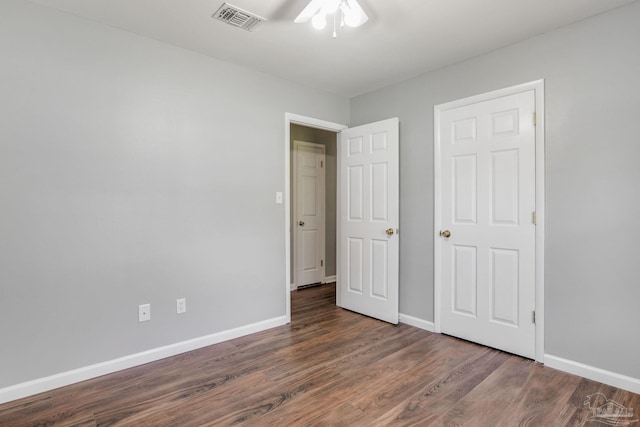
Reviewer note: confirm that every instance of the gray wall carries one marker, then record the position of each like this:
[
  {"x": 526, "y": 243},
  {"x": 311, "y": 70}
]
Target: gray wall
[
  {"x": 592, "y": 75},
  {"x": 133, "y": 172},
  {"x": 328, "y": 139}
]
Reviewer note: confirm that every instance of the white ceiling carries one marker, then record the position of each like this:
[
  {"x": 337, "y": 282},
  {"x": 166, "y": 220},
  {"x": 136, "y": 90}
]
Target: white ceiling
[{"x": 402, "y": 38}]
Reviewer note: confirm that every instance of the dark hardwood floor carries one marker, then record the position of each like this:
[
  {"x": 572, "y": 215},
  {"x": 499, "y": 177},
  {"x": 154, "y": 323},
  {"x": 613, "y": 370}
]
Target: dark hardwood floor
[{"x": 329, "y": 367}]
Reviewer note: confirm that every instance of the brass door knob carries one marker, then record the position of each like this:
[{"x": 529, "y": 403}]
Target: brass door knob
[
  {"x": 389, "y": 231},
  {"x": 301, "y": 223},
  {"x": 445, "y": 233}
]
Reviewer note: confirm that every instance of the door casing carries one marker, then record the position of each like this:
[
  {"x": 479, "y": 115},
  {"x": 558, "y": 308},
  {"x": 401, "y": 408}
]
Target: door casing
[{"x": 538, "y": 87}]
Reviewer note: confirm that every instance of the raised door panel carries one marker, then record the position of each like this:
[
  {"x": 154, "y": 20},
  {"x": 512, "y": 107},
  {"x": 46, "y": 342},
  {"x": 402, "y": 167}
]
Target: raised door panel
[
  {"x": 310, "y": 250},
  {"x": 505, "y": 187},
  {"x": 465, "y": 280},
  {"x": 464, "y": 187},
  {"x": 309, "y": 196},
  {"x": 379, "y": 274},
  {"x": 379, "y": 193},
  {"x": 355, "y": 263},
  {"x": 355, "y": 199},
  {"x": 505, "y": 286}
]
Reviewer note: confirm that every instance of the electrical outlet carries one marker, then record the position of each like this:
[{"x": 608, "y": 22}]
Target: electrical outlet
[
  {"x": 181, "y": 305},
  {"x": 144, "y": 312}
]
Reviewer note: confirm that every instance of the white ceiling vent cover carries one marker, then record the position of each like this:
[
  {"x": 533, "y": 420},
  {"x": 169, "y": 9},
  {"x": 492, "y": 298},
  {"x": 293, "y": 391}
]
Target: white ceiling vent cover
[{"x": 237, "y": 17}]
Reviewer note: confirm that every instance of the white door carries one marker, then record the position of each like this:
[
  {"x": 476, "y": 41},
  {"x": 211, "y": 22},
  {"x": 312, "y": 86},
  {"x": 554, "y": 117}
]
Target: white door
[
  {"x": 368, "y": 217},
  {"x": 309, "y": 213},
  {"x": 487, "y": 204}
]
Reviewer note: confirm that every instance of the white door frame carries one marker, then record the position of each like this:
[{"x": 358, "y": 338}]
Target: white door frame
[
  {"x": 296, "y": 231},
  {"x": 290, "y": 118},
  {"x": 538, "y": 87}
]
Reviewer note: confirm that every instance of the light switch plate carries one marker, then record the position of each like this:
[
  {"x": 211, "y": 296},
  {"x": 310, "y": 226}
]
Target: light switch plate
[
  {"x": 181, "y": 305},
  {"x": 279, "y": 198}
]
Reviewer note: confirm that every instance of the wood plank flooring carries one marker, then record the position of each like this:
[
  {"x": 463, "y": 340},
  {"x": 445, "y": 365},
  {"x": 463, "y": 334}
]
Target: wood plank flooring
[{"x": 329, "y": 367}]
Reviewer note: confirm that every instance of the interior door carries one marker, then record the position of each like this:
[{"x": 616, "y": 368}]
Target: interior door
[
  {"x": 487, "y": 210},
  {"x": 368, "y": 220},
  {"x": 309, "y": 187}
]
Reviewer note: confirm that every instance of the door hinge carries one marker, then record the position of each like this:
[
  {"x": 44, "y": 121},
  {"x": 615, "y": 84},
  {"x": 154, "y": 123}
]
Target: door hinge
[
  {"x": 534, "y": 218},
  {"x": 533, "y": 317},
  {"x": 535, "y": 118},
  {"x": 321, "y": 263}
]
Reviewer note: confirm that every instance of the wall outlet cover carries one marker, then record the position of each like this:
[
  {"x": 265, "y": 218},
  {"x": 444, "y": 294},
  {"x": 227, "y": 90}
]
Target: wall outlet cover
[{"x": 144, "y": 312}]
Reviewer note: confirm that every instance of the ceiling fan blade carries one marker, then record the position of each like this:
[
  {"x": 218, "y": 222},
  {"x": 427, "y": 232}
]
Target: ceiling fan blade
[
  {"x": 308, "y": 12},
  {"x": 355, "y": 7}
]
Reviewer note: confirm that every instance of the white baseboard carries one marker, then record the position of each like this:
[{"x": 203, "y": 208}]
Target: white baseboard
[
  {"x": 418, "y": 323},
  {"x": 328, "y": 279},
  {"x": 40, "y": 385},
  {"x": 607, "y": 377}
]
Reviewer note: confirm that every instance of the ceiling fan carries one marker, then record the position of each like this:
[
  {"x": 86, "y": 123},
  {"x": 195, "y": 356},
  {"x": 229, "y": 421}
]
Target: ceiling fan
[{"x": 344, "y": 12}]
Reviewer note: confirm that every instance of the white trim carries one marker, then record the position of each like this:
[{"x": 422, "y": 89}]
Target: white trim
[
  {"x": 327, "y": 279},
  {"x": 596, "y": 374},
  {"x": 313, "y": 123},
  {"x": 290, "y": 118},
  {"x": 540, "y": 215},
  {"x": 40, "y": 385},
  {"x": 538, "y": 87},
  {"x": 437, "y": 221},
  {"x": 296, "y": 144},
  {"x": 418, "y": 323}
]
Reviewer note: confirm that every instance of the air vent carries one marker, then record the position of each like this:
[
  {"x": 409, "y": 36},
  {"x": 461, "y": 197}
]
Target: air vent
[{"x": 237, "y": 17}]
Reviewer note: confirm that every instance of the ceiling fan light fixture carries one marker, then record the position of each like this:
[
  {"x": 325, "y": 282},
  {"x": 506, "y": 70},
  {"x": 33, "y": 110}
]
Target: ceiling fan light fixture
[
  {"x": 353, "y": 14},
  {"x": 344, "y": 12},
  {"x": 350, "y": 16},
  {"x": 319, "y": 20},
  {"x": 331, "y": 6},
  {"x": 352, "y": 20}
]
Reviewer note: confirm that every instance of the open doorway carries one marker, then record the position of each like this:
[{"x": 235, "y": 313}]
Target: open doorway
[
  {"x": 313, "y": 171},
  {"x": 299, "y": 127}
]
